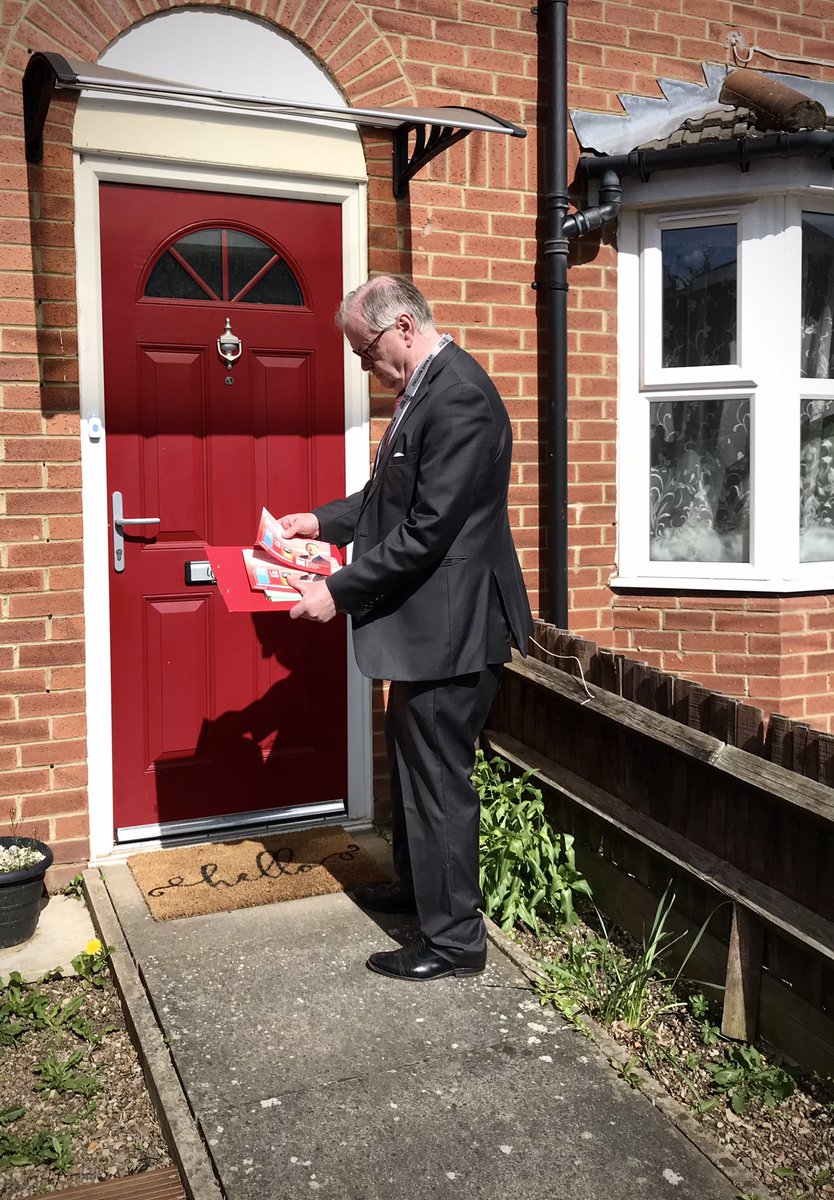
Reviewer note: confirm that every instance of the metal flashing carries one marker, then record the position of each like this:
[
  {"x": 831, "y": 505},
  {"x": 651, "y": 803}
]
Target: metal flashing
[
  {"x": 684, "y": 110},
  {"x": 419, "y": 133},
  {"x": 650, "y": 118}
]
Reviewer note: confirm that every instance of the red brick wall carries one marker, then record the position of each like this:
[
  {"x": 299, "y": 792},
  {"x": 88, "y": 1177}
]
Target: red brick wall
[
  {"x": 467, "y": 233},
  {"x": 777, "y": 652}
]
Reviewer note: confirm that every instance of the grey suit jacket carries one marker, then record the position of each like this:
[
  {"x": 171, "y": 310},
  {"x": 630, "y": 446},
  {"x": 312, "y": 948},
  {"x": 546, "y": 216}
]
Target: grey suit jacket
[{"x": 435, "y": 588}]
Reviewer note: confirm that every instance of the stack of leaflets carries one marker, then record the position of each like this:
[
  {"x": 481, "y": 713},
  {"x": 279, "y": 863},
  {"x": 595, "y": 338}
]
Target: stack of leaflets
[{"x": 277, "y": 562}]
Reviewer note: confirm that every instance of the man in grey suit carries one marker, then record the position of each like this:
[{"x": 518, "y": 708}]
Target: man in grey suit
[{"x": 436, "y": 597}]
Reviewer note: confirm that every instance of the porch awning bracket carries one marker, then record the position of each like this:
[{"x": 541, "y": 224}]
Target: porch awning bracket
[
  {"x": 434, "y": 129},
  {"x": 429, "y": 141}
]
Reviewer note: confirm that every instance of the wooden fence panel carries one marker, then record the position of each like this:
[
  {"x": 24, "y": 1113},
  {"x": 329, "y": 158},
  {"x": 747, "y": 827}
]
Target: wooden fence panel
[{"x": 774, "y": 824}]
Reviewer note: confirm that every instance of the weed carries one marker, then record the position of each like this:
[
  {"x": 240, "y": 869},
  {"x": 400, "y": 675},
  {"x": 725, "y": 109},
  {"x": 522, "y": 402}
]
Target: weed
[
  {"x": 42, "y": 1147},
  {"x": 709, "y": 1034},
  {"x": 75, "y": 887},
  {"x": 87, "y": 1111},
  {"x": 597, "y": 975},
  {"x": 698, "y": 1004},
  {"x": 627, "y": 1072},
  {"x": 58, "y": 1077},
  {"x": 744, "y": 1077},
  {"x": 528, "y": 872},
  {"x": 91, "y": 962}
]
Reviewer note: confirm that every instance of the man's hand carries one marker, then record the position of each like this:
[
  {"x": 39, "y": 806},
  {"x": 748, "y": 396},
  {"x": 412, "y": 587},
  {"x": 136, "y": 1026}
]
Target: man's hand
[
  {"x": 316, "y": 603},
  {"x": 300, "y": 525}
]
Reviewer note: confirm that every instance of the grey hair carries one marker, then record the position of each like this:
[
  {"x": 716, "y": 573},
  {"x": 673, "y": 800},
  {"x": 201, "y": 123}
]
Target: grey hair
[{"x": 382, "y": 299}]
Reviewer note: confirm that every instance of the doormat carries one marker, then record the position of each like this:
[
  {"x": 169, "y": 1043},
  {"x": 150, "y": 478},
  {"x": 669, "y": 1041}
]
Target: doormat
[{"x": 222, "y": 876}]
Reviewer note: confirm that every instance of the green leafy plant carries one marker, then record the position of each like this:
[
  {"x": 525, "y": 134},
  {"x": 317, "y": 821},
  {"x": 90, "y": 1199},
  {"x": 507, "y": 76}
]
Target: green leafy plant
[
  {"x": 58, "y": 1077},
  {"x": 75, "y": 887},
  {"x": 698, "y": 1004},
  {"x": 76, "y": 1118},
  {"x": 627, "y": 1072},
  {"x": 42, "y": 1147},
  {"x": 744, "y": 1076},
  {"x": 90, "y": 963},
  {"x": 710, "y": 1034},
  {"x": 21, "y": 1009},
  {"x": 528, "y": 873},
  {"x": 598, "y": 976}
]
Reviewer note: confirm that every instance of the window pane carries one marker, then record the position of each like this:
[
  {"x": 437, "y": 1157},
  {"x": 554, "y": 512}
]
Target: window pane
[
  {"x": 247, "y": 255},
  {"x": 816, "y": 481},
  {"x": 700, "y": 480},
  {"x": 699, "y": 296},
  {"x": 170, "y": 278},
  {"x": 817, "y": 296},
  {"x": 278, "y": 286},
  {"x": 201, "y": 250}
]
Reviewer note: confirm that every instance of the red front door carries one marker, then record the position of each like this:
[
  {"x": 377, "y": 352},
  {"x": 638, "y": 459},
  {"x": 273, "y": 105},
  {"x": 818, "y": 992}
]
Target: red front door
[{"x": 217, "y": 713}]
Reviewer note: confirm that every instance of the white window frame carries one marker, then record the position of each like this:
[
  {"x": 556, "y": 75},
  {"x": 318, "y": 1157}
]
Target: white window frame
[
  {"x": 769, "y": 217},
  {"x": 653, "y": 373}
]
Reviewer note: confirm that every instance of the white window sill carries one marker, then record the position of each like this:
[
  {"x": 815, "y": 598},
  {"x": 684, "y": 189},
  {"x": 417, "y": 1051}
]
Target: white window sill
[{"x": 687, "y": 583}]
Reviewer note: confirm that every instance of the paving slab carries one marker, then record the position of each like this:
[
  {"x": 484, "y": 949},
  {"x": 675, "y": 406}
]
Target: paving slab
[
  {"x": 64, "y": 928},
  {"x": 306, "y": 1073},
  {"x": 502, "y": 1121}
]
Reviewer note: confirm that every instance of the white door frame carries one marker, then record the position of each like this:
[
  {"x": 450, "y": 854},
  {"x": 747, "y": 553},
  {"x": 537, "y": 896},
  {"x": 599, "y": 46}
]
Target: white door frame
[{"x": 90, "y": 170}]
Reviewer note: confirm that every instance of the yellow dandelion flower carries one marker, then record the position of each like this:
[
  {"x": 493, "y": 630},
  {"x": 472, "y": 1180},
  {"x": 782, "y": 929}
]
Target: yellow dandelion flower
[{"x": 93, "y": 946}]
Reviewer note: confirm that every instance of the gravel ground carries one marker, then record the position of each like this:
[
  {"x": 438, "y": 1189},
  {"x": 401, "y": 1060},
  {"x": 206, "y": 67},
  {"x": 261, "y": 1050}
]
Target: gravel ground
[
  {"x": 113, "y": 1130},
  {"x": 789, "y": 1147}
]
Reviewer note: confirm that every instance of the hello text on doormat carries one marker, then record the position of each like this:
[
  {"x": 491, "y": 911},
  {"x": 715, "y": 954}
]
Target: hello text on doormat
[{"x": 193, "y": 880}]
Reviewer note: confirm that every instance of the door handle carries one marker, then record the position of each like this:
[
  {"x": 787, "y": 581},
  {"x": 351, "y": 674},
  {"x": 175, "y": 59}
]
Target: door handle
[{"x": 119, "y": 521}]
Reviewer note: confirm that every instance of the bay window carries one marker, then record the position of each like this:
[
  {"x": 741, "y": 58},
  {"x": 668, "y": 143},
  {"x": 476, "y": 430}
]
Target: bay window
[{"x": 726, "y": 394}]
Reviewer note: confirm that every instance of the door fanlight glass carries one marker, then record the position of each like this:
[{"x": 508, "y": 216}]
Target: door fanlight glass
[{"x": 224, "y": 266}]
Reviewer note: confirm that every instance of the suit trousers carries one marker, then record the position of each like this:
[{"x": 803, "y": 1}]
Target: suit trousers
[{"x": 431, "y": 728}]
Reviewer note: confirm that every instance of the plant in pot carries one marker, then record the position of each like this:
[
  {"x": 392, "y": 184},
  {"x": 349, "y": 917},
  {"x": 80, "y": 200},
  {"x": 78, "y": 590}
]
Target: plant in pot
[{"x": 24, "y": 862}]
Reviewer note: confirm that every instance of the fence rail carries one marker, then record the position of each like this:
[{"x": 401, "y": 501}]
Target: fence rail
[
  {"x": 791, "y": 744},
  {"x": 651, "y": 795}
]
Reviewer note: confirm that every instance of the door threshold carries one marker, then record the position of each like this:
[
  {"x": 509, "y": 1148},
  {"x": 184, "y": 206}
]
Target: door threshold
[{"x": 233, "y": 827}]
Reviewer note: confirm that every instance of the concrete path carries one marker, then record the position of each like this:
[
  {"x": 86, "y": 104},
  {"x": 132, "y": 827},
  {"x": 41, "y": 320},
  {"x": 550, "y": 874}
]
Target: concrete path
[{"x": 308, "y": 1074}]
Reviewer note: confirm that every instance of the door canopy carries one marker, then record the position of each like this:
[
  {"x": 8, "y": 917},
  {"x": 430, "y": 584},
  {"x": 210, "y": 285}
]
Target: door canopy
[{"x": 419, "y": 134}]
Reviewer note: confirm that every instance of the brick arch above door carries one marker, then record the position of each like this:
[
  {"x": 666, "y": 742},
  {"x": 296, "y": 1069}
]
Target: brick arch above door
[{"x": 356, "y": 53}]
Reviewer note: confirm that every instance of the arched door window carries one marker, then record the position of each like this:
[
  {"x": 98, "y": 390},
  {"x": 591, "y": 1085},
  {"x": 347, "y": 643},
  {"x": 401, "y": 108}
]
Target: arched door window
[{"x": 224, "y": 265}]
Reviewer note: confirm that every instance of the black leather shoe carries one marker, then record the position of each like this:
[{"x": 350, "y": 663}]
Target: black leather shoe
[
  {"x": 384, "y": 898},
  {"x": 423, "y": 963}
]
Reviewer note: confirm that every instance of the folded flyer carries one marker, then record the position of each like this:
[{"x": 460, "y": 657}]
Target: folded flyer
[
  {"x": 266, "y": 575},
  {"x": 297, "y": 554}
]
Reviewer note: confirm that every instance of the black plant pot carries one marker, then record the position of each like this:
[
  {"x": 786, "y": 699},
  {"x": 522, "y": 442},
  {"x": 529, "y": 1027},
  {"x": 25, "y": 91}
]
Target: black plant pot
[{"x": 20, "y": 894}]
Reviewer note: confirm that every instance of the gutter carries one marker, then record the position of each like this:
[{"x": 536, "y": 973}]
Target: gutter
[
  {"x": 559, "y": 229},
  {"x": 742, "y": 152}
]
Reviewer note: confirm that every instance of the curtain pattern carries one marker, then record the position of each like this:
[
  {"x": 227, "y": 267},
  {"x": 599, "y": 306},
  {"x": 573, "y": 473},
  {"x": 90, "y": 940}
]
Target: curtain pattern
[
  {"x": 816, "y": 417},
  {"x": 816, "y": 481}
]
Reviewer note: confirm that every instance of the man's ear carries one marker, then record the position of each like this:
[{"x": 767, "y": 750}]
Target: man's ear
[{"x": 406, "y": 326}]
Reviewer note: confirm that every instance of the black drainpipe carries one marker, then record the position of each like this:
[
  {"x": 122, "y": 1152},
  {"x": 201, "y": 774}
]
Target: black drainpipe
[{"x": 559, "y": 228}]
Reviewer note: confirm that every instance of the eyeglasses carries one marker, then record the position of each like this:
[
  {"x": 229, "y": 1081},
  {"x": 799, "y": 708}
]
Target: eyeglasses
[{"x": 365, "y": 353}]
